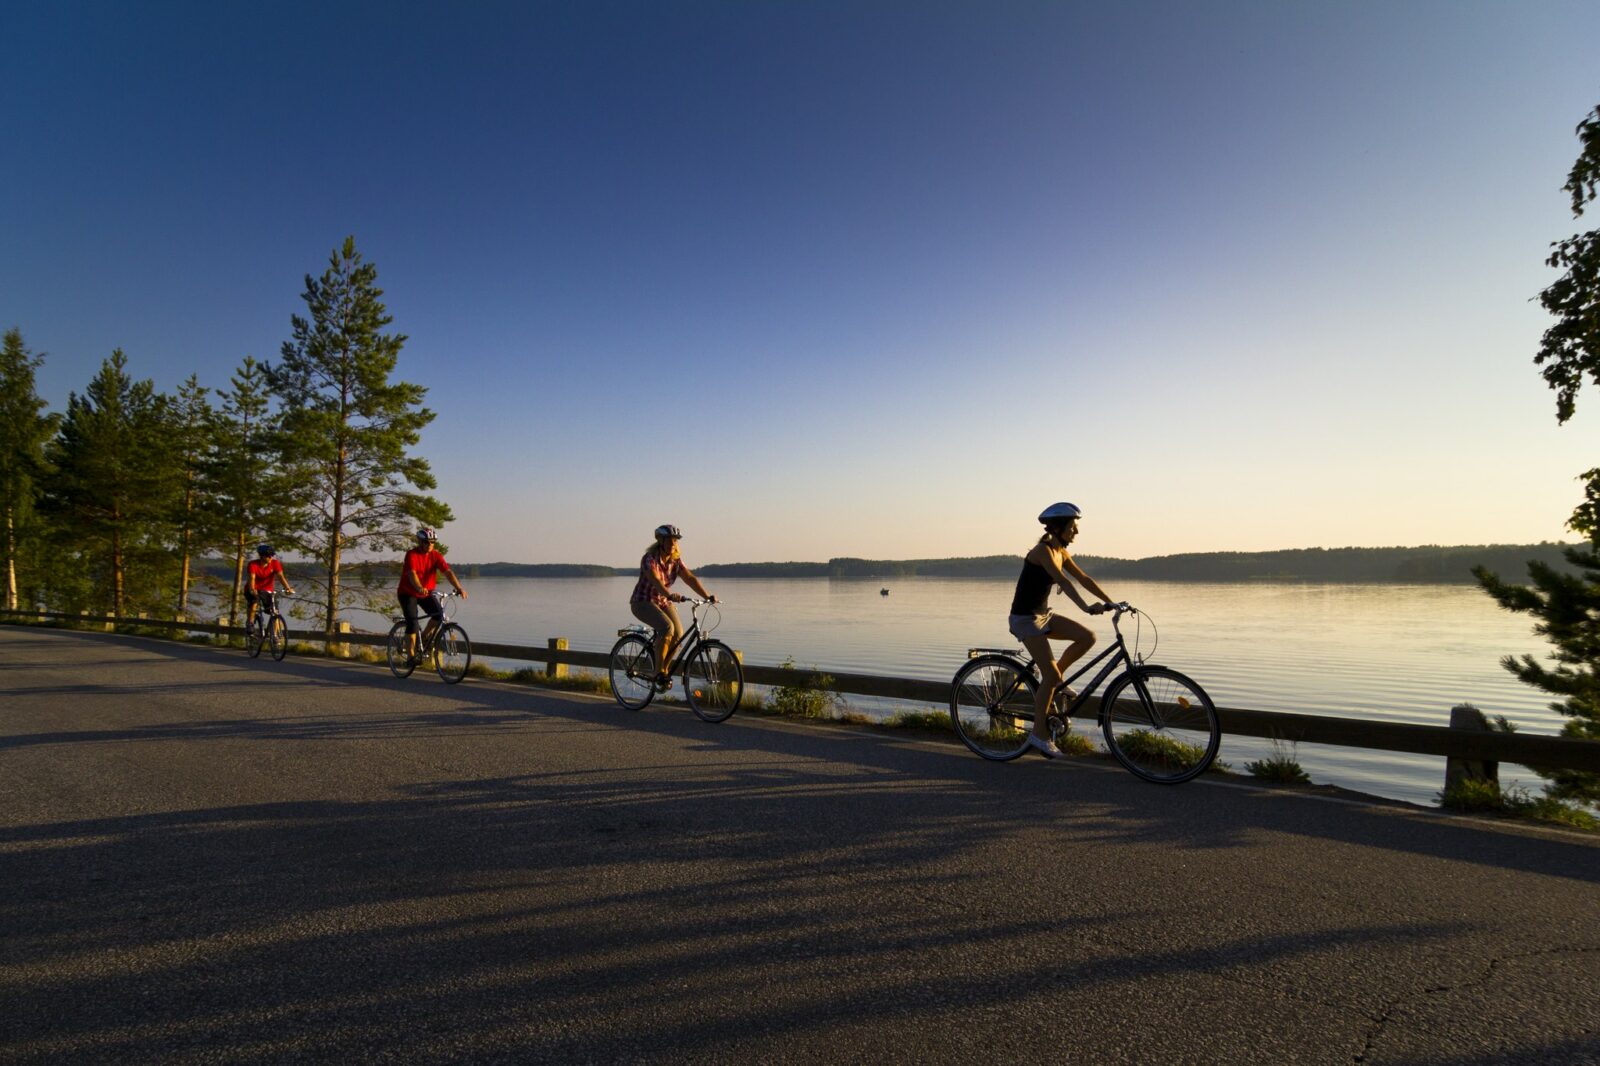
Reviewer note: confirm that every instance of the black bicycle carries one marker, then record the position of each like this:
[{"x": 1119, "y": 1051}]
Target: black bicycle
[
  {"x": 1156, "y": 722},
  {"x": 267, "y": 629},
  {"x": 713, "y": 679},
  {"x": 448, "y": 647}
]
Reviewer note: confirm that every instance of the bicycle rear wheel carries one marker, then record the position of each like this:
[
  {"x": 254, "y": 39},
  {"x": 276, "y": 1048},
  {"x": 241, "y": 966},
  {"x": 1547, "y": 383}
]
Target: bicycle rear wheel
[
  {"x": 400, "y": 663},
  {"x": 1160, "y": 725},
  {"x": 633, "y": 671},
  {"x": 991, "y": 704},
  {"x": 452, "y": 653},
  {"x": 278, "y": 637},
  {"x": 254, "y": 636},
  {"x": 713, "y": 681}
]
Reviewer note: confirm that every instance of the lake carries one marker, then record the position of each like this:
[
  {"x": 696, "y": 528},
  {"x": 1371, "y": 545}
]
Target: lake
[{"x": 1399, "y": 653}]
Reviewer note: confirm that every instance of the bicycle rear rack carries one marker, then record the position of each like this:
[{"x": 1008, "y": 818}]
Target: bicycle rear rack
[{"x": 973, "y": 653}]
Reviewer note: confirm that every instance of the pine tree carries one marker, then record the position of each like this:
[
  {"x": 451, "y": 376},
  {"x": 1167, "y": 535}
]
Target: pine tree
[
  {"x": 24, "y": 428},
  {"x": 1568, "y": 606},
  {"x": 1568, "y": 609},
  {"x": 105, "y": 489},
  {"x": 351, "y": 426},
  {"x": 190, "y": 436},
  {"x": 249, "y": 492}
]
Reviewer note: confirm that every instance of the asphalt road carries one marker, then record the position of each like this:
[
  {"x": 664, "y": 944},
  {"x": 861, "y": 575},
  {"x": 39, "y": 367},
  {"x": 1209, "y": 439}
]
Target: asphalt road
[{"x": 205, "y": 858}]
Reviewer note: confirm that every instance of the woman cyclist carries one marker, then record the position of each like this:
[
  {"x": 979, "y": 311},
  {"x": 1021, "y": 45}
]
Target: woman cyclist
[
  {"x": 265, "y": 570},
  {"x": 417, "y": 579},
  {"x": 653, "y": 596},
  {"x": 1032, "y": 622}
]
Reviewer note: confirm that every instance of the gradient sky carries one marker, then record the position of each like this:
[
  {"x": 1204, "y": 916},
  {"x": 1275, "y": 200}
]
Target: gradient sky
[{"x": 876, "y": 279}]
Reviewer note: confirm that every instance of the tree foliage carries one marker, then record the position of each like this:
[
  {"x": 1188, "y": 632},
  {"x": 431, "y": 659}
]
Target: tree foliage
[
  {"x": 1570, "y": 351},
  {"x": 24, "y": 429},
  {"x": 350, "y": 427},
  {"x": 1567, "y": 606},
  {"x": 105, "y": 489},
  {"x": 250, "y": 492}
]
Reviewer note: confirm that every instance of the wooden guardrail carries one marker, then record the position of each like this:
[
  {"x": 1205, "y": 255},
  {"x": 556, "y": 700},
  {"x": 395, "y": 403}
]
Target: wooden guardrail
[{"x": 1526, "y": 749}]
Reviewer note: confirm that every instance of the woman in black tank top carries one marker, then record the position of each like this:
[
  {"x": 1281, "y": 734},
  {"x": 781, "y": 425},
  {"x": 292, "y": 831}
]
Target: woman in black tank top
[{"x": 1032, "y": 622}]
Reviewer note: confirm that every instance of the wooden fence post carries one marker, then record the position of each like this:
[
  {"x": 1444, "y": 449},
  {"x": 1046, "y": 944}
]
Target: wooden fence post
[
  {"x": 341, "y": 649},
  {"x": 1457, "y": 771},
  {"x": 222, "y": 638},
  {"x": 553, "y": 668}
]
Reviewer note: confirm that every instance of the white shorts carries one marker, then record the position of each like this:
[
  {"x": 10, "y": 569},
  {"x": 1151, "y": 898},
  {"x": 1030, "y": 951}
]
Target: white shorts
[{"x": 1031, "y": 625}]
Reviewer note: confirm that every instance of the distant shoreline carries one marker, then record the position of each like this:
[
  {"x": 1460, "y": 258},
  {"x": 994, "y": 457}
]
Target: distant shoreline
[{"x": 1426, "y": 565}]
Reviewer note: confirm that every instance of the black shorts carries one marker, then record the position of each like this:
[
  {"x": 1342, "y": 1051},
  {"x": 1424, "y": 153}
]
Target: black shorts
[
  {"x": 263, "y": 598},
  {"x": 409, "y": 605}
]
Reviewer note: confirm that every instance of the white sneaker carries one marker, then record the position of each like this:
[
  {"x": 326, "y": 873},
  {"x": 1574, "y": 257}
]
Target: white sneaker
[{"x": 1044, "y": 747}]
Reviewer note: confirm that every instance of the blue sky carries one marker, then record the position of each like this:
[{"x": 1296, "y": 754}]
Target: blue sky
[{"x": 863, "y": 278}]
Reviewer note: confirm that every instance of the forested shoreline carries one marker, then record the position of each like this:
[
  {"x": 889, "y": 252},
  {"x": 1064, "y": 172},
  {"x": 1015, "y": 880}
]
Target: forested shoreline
[{"x": 1427, "y": 564}]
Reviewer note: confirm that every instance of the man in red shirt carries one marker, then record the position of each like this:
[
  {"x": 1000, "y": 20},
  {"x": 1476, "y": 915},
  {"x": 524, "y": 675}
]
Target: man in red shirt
[
  {"x": 264, "y": 573},
  {"x": 418, "y": 575}
]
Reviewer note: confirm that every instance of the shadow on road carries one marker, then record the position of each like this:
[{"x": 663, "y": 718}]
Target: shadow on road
[{"x": 794, "y": 885}]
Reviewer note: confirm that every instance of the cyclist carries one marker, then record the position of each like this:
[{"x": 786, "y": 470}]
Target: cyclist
[
  {"x": 653, "y": 596},
  {"x": 1033, "y": 623},
  {"x": 265, "y": 570},
  {"x": 418, "y": 576}
]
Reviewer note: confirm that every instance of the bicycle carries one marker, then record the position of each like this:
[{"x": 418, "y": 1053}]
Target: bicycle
[
  {"x": 1157, "y": 723},
  {"x": 267, "y": 628},
  {"x": 713, "y": 679},
  {"x": 449, "y": 647}
]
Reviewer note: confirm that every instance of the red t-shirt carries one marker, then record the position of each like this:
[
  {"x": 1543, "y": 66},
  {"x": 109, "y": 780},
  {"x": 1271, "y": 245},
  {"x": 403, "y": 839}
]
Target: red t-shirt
[
  {"x": 427, "y": 564},
  {"x": 263, "y": 575}
]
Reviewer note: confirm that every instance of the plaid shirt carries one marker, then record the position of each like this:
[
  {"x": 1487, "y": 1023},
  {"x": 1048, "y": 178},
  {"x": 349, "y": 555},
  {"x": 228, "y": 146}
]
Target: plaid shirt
[{"x": 666, "y": 573}]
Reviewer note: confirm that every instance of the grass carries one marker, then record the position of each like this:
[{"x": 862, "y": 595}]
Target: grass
[
  {"x": 1279, "y": 768},
  {"x": 1475, "y": 796},
  {"x": 1146, "y": 745}
]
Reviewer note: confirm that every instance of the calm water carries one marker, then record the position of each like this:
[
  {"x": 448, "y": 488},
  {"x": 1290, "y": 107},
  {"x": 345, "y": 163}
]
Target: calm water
[{"x": 1402, "y": 653}]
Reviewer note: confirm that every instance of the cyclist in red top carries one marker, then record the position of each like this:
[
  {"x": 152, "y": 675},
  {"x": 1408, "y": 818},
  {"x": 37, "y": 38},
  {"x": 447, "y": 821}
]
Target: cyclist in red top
[
  {"x": 418, "y": 575},
  {"x": 264, "y": 573}
]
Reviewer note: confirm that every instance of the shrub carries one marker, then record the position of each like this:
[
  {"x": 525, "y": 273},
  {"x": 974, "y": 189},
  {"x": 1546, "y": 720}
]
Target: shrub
[
  {"x": 809, "y": 698},
  {"x": 1281, "y": 767}
]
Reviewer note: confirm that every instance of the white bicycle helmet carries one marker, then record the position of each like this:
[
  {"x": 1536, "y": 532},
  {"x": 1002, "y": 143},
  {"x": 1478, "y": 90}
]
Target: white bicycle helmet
[{"x": 1059, "y": 512}]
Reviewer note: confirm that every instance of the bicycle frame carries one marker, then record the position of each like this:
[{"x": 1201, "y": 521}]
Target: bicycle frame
[
  {"x": 1118, "y": 654},
  {"x": 692, "y": 638}
]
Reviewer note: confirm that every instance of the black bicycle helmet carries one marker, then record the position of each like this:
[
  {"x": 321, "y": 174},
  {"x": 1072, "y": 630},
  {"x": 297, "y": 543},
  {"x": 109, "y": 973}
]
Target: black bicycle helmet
[
  {"x": 426, "y": 535},
  {"x": 669, "y": 531},
  {"x": 266, "y": 551}
]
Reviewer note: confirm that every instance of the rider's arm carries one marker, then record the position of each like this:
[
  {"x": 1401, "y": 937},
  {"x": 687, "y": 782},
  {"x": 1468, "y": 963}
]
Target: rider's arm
[
  {"x": 694, "y": 583},
  {"x": 286, "y": 586},
  {"x": 450, "y": 575},
  {"x": 1047, "y": 559},
  {"x": 655, "y": 579},
  {"x": 1088, "y": 582}
]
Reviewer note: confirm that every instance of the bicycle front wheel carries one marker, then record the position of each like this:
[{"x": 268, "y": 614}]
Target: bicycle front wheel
[
  {"x": 400, "y": 663},
  {"x": 254, "y": 636},
  {"x": 633, "y": 672},
  {"x": 991, "y": 704},
  {"x": 278, "y": 638},
  {"x": 1160, "y": 725},
  {"x": 713, "y": 681},
  {"x": 452, "y": 653}
]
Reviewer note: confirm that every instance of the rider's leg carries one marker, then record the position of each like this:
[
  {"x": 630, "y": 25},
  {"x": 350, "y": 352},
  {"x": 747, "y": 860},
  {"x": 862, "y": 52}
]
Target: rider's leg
[
  {"x": 1049, "y": 678},
  {"x": 430, "y": 603},
  {"x": 1079, "y": 637},
  {"x": 665, "y": 623},
  {"x": 408, "y": 607}
]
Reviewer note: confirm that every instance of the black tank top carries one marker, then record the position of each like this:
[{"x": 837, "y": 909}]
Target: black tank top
[{"x": 1033, "y": 590}]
